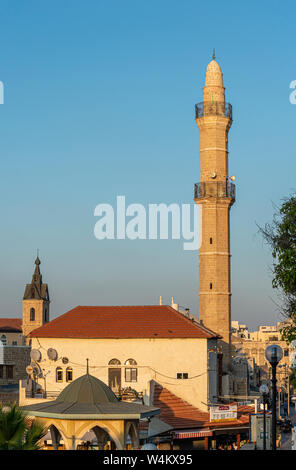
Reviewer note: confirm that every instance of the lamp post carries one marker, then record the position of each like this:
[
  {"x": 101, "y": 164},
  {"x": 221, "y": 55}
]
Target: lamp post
[
  {"x": 287, "y": 385},
  {"x": 273, "y": 354},
  {"x": 264, "y": 390}
]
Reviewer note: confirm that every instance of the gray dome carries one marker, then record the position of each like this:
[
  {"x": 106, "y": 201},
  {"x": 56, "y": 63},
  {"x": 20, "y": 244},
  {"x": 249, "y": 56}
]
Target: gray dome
[{"x": 87, "y": 389}]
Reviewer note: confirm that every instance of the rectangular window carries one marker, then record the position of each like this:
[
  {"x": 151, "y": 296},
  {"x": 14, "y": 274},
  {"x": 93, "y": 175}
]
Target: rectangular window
[
  {"x": 69, "y": 375},
  {"x": 9, "y": 372},
  {"x": 59, "y": 375},
  {"x": 182, "y": 375},
  {"x": 131, "y": 375},
  {"x": 1, "y": 371},
  {"x": 14, "y": 343},
  {"x": 286, "y": 352}
]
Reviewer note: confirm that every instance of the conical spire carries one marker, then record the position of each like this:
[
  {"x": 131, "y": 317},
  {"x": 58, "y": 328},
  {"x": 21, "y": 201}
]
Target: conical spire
[
  {"x": 213, "y": 89},
  {"x": 37, "y": 277},
  {"x": 36, "y": 290}
]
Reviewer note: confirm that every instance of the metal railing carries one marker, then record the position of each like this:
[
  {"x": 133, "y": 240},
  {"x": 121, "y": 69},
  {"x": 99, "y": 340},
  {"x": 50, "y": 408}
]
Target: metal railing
[
  {"x": 42, "y": 394},
  {"x": 218, "y": 189},
  {"x": 215, "y": 108}
]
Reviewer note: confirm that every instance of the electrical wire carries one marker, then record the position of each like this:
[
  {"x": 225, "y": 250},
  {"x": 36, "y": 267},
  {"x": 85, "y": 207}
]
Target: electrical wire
[{"x": 141, "y": 367}]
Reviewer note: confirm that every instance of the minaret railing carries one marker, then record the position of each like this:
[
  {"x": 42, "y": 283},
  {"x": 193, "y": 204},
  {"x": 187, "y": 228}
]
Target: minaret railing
[
  {"x": 217, "y": 189},
  {"x": 213, "y": 108}
]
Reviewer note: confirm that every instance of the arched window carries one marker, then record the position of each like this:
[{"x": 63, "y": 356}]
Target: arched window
[
  {"x": 131, "y": 373},
  {"x": 69, "y": 374},
  {"x": 114, "y": 362},
  {"x": 32, "y": 314},
  {"x": 59, "y": 374},
  {"x": 4, "y": 340},
  {"x": 114, "y": 375},
  {"x": 130, "y": 362}
]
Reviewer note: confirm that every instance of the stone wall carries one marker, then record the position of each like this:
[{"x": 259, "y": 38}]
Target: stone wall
[{"x": 19, "y": 358}]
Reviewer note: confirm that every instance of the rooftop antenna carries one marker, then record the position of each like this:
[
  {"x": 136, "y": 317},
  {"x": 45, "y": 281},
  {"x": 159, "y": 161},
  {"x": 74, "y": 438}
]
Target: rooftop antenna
[
  {"x": 87, "y": 367},
  {"x": 214, "y": 55}
]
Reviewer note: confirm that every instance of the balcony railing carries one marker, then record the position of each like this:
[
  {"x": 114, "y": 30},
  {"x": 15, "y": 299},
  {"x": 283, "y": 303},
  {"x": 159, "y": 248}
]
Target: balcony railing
[
  {"x": 218, "y": 189},
  {"x": 215, "y": 108},
  {"x": 42, "y": 394}
]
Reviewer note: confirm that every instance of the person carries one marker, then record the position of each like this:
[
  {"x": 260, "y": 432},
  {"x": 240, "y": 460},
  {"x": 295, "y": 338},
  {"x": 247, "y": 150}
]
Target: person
[{"x": 279, "y": 440}]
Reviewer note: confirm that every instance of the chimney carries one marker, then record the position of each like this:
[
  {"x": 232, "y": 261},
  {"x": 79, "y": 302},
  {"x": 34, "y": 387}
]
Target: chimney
[
  {"x": 160, "y": 300},
  {"x": 187, "y": 312},
  {"x": 173, "y": 305}
]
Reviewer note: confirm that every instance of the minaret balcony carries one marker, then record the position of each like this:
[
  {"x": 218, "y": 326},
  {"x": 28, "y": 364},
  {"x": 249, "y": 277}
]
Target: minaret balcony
[
  {"x": 213, "y": 108},
  {"x": 216, "y": 189}
]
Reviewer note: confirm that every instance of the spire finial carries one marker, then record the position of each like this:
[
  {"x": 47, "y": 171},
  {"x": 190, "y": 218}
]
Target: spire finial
[
  {"x": 87, "y": 367},
  {"x": 214, "y": 55},
  {"x": 37, "y": 261}
]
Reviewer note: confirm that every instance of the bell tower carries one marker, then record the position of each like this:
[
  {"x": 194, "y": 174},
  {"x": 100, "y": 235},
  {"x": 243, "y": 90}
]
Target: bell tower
[
  {"x": 35, "y": 302},
  {"x": 215, "y": 194}
]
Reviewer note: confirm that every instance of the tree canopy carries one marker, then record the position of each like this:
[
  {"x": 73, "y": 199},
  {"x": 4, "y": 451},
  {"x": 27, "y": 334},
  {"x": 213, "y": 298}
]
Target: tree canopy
[
  {"x": 17, "y": 431},
  {"x": 280, "y": 235}
]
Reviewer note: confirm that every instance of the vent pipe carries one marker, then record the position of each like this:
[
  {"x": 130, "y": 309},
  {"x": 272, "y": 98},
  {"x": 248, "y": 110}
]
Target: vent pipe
[{"x": 174, "y": 305}]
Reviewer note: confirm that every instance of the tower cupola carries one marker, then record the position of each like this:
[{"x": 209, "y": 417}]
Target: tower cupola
[{"x": 35, "y": 302}]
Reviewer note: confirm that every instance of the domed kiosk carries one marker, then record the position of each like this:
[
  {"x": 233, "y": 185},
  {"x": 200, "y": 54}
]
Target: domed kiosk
[{"x": 89, "y": 404}]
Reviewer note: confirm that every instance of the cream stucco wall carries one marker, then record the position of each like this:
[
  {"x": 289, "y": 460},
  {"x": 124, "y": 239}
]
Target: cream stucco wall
[
  {"x": 157, "y": 359},
  {"x": 14, "y": 337}
]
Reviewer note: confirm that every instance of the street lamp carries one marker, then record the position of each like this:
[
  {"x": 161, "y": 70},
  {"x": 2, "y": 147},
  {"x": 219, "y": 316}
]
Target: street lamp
[
  {"x": 264, "y": 390},
  {"x": 273, "y": 354}
]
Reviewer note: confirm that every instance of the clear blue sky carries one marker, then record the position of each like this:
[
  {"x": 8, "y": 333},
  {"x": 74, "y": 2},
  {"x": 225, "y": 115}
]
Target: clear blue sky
[{"x": 99, "y": 102}]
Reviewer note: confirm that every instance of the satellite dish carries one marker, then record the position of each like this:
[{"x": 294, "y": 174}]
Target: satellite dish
[
  {"x": 65, "y": 360},
  {"x": 29, "y": 370},
  {"x": 213, "y": 175},
  {"x": 52, "y": 354},
  {"x": 232, "y": 178},
  {"x": 36, "y": 355}
]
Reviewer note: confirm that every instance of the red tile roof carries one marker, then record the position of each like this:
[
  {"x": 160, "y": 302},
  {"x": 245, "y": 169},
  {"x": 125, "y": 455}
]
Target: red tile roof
[
  {"x": 176, "y": 412},
  {"x": 182, "y": 415},
  {"x": 153, "y": 321},
  {"x": 10, "y": 325}
]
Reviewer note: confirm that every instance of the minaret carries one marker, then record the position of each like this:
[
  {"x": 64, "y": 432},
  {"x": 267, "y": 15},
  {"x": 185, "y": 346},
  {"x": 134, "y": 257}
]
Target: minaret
[
  {"x": 35, "y": 302},
  {"x": 215, "y": 194}
]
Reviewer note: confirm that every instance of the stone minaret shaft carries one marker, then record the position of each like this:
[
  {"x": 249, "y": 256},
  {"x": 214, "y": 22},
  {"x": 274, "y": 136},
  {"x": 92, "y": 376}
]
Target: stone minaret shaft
[{"x": 215, "y": 194}]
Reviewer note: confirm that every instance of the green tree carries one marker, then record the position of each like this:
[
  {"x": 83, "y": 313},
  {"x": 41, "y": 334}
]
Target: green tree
[
  {"x": 17, "y": 432},
  {"x": 280, "y": 235}
]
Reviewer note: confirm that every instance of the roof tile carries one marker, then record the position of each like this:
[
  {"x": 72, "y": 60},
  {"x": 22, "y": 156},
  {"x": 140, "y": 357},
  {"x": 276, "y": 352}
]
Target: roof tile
[
  {"x": 182, "y": 415},
  {"x": 153, "y": 321},
  {"x": 11, "y": 325}
]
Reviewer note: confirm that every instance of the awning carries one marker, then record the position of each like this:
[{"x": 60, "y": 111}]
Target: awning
[{"x": 189, "y": 434}]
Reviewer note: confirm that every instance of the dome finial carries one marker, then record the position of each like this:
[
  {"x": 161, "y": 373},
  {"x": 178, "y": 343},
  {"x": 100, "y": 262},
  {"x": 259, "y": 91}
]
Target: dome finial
[
  {"x": 87, "y": 367},
  {"x": 214, "y": 55}
]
